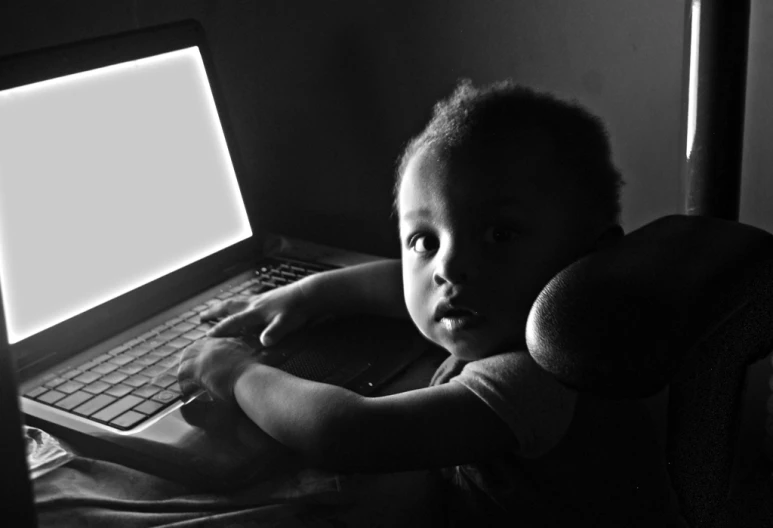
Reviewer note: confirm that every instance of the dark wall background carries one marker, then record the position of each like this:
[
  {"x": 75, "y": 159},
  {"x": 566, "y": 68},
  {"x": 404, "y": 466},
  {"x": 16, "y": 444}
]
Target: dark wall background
[{"x": 324, "y": 94}]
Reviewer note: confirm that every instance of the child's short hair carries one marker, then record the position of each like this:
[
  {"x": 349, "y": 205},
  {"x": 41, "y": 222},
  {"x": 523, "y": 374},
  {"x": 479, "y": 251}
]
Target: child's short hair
[{"x": 472, "y": 118}]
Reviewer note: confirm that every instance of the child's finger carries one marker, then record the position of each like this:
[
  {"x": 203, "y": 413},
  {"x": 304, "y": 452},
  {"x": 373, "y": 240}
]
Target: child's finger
[
  {"x": 234, "y": 324},
  {"x": 273, "y": 332},
  {"x": 224, "y": 308},
  {"x": 214, "y": 312},
  {"x": 260, "y": 288}
]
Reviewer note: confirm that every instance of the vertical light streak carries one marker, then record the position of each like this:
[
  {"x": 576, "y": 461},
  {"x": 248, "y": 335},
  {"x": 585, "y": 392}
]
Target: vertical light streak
[{"x": 692, "y": 101}]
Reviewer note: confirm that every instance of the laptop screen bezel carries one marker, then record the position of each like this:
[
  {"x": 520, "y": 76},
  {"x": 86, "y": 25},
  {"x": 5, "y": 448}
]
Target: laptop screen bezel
[{"x": 106, "y": 320}]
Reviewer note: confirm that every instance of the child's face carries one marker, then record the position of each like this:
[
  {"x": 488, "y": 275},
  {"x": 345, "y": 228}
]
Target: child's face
[{"x": 483, "y": 239}]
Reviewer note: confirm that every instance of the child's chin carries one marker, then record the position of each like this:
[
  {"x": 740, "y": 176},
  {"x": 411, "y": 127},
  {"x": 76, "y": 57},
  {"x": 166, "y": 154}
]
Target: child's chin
[
  {"x": 465, "y": 352},
  {"x": 473, "y": 351}
]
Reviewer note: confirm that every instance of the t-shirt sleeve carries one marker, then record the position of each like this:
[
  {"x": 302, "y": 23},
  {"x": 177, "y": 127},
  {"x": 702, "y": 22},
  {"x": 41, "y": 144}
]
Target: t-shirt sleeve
[{"x": 534, "y": 405}]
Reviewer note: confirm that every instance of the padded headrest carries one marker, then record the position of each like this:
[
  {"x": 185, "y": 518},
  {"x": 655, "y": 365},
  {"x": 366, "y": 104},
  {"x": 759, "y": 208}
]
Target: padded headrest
[{"x": 618, "y": 321}]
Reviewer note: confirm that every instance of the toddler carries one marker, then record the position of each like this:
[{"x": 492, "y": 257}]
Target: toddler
[{"x": 503, "y": 189}]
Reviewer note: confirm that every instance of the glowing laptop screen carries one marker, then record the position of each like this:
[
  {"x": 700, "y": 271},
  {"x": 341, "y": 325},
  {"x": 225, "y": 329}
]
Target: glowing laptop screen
[{"x": 110, "y": 179}]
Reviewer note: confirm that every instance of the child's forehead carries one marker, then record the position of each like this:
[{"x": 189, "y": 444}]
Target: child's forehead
[{"x": 482, "y": 176}]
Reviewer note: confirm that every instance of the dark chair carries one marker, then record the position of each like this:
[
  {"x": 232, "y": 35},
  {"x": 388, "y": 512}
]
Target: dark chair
[{"x": 684, "y": 302}]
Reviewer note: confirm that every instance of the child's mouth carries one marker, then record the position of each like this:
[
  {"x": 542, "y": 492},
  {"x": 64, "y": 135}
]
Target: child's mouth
[
  {"x": 460, "y": 322},
  {"x": 456, "y": 319}
]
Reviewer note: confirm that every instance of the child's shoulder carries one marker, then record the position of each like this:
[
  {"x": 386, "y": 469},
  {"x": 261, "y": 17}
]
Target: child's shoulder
[{"x": 534, "y": 405}]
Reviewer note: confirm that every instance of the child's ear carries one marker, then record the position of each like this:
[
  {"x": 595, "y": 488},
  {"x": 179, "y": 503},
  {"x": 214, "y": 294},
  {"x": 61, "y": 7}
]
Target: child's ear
[{"x": 610, "y": 236}]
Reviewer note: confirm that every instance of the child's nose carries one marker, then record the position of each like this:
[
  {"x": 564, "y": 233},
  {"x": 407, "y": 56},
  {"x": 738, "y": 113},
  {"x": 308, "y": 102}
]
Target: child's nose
[{"x": 456, "y": 264}]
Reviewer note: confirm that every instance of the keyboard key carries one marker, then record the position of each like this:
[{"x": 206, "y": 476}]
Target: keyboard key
[
  {"x": 123, "y": 359},
  {"x": 131, "y": 369},
  {"x": 179, "y": 343},
  {"x": 146, "y": 361},
  {"x": 70, "y": 387},
  {"x": 158, "y": 329},
  {"x": 114, "y": 377},
  {"x": 140, "y": 350},
  {"x": 189, "y": 313},
  {"x": 165, "y": 380},
  {"x": 87, "y": 377},
  {"x": 117, "y": 408},
  {"x": 94, "y": 362},
  {"x": 87, "y": 365},
  {"x": 152, "y": 372},
  {"x": 133, "y": 342},
  {"x": 37, "y": 391},
  {"x": 184, "y": 326},
  {"x": 171, "y": 322},
  {"x": 127, "y": 419},
  {"x": 94, "y": 404},
  {"x": 71, "y": 374},
  {"x": 55, "y": 382},
  {"x": 168, "y": 335},
  {"x": 118, "y": 350},
  {"x": 146, "y": 391},
  {"x": 148, "y": 407},
  {"x": 168, "y": 362},
  {"x": 136, "y": 380},
  {"x": 119, "y": 390},
  {"x": 104, "y": 368},
  {"x": 155, "y": 356},
  {"x": 51, "y": 396},
  {"x": 193, "y": 335},
  {"x": 73, "y": 400},
  {"x": 96, "y": 387},
  {"x": 147, "y": 335},
  {"x": 49, "y": 376},
  {"x": 164, "y": 396}
]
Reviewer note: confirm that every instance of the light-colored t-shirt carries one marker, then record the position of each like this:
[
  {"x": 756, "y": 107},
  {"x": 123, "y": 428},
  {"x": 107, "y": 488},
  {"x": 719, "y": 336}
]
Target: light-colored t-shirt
[{"x": 576, "y": 459}]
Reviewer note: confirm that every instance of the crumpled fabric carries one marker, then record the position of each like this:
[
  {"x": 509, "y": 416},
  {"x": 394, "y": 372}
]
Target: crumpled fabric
[{"x": 44, "y": 452}]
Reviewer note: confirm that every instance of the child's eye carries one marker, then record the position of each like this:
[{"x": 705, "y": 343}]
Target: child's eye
[
  {"x": 423, "y": 243},
  {"x": 499, "y": 234}
]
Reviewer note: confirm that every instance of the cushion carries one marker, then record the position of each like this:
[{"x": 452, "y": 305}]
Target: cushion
[{"x": 620, "y": 321}]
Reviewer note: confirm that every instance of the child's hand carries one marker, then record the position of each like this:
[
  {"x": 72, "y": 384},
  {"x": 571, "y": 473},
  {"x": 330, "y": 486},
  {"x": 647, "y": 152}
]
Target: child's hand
[
  {"x": 274, "y": 314},
  {"x": 214, "y": 365}
]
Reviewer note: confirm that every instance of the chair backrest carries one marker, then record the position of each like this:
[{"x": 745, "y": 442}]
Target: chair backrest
[{"x": 684, "y": 302}]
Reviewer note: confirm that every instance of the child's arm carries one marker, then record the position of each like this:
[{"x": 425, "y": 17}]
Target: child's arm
[
  {"x": 335, "y": 428},
  {"x": 374, "y": 288}
]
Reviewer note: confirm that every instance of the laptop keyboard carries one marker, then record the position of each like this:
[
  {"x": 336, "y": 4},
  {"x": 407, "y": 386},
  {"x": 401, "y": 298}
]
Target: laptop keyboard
[{"x": 137, "y": 380}]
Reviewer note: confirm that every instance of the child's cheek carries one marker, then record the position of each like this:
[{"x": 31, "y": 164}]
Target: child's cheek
[
  {"x": 413, "y": 301},
  {"x": 417, "y": 300}
]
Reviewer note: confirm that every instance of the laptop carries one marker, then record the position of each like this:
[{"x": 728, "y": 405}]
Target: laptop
[{"x": 123, "y": 217}]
